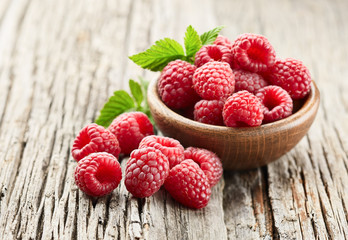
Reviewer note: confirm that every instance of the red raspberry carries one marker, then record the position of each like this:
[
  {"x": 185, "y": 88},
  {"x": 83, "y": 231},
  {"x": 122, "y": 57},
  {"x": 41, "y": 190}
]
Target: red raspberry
[
  {"x": 175, "y": 85},
  {"x": 253, "y": 52},
  {"x": 248, "y": 81},
  {"x": 242, "y": 109},
  {"x": 291, "y": 75},
  {"x": 223, "y": 41},
  {"x": 209, "y": 53},
  {"x": 170, "y": 147},
  {"x": 98, "y": 174},
  {"x": 276, "y": 102},
  {"x": 130, "y": 128},
  {"x": 146, "y": 171},
  {"x": 209, "y": 162},
  {"x": 188, "y": 185},
  {"x": 214, "y": 80},
  {"x": 209, "y": 112},
  {"x": 94, "y": 138}
]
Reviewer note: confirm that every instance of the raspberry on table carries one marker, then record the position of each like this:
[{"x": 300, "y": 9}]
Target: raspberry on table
[
  {"x": 170, "y": 147},
  {"x": 98, "y": 174},
  {"x": 208, "y": 161},
  {"x": 277, "y": 103},
  {"x": 291, "y": 75},
  {"x": 129, "y": 128},
  {"x": 209, "y": 112},
  {"x": 242, "y": 109},
  {"x": 223, "y": 41},
  {"x": 214, "y": 80},
  {"x": 94, "y": 138},
  {"x": 249, "y": 81},
  {"x": 146, "y": 171},
  {"x": 188, "y": 184},
  {"x": 210, "y": 53},
  {"x": 175, "y": 85},
  {"x": 253, "y": 52}
]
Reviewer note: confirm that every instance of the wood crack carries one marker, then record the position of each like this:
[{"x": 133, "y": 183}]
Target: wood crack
[{"x": 275, "y": 233}]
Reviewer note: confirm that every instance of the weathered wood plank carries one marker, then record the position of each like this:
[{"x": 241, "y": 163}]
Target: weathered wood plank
[{"x": 59, "y": 62}]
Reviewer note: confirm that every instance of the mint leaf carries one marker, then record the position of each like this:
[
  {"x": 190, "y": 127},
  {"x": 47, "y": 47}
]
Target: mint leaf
[
  {"x": 210, "y": 36},
  {"x": 192, "y": 42},
  {"x": 159, "y": 55},
  {"x": 136, "y": 91},
  {"x": 119, "y": 103}
]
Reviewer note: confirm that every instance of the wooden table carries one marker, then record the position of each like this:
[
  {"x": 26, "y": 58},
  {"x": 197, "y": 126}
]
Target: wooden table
[{"x": 61, "y": 60}]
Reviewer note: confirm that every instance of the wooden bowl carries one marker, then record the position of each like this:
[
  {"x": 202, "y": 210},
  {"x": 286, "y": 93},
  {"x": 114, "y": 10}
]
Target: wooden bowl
[{"x": 238, "y": 148}]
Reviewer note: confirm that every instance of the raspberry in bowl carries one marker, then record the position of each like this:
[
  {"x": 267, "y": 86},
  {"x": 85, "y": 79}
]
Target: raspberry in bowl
[{"x": 238, "y": 147}]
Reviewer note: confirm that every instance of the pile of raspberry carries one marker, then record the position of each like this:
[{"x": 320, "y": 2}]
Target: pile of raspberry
[
  {"x": 239, "y": 84},
  {"x": 155, "y": 161}
]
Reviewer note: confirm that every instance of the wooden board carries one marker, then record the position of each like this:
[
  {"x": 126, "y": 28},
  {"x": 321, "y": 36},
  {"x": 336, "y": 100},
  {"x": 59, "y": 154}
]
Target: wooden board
[{"x": 61, "y": 60}]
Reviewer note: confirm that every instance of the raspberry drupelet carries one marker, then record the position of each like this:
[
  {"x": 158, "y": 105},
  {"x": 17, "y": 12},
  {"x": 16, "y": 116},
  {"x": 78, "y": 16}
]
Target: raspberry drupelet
[
  {"x": 98, "y": 174},
  {"x": 209, "y": 112},
  {"x": 146, "y": 171},
  {"x": 175, "y": 85},
  {"x": 210, "y": 53},
  {"x": 291, "y": 75},
  {"x": 242, "y": 109},
  {"x": 253, "y": 52},
  {"x": 170, "y": 147},
  {"x": 223, "y": 41},
  {"x": 130, "y": 128},
  {"x": 248, "y": 81},
  {"x": 276, "y": 102},
  {"x": 188, "y": 185},
  {"x": 214, "y": 80},
  {"x": 208, "y": 161},
  {"x": 94, "y": 138}
]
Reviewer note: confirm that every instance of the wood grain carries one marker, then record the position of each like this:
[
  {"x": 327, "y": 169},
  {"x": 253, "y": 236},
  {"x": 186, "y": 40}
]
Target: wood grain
[{"x": 59, "y": 62}]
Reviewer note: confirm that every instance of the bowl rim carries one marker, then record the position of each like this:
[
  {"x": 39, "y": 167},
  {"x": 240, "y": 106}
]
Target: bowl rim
[{"x": 312, "y": 98}]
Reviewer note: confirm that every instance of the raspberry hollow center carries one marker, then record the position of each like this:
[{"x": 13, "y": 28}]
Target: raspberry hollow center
[
  {"x": 215, "y": 53},
  {"x": 105, "y": 174},
  {"x": 271, "y": 102},
  {"x": 257, "y": 55},
  {"x": 85, "y": 140}
]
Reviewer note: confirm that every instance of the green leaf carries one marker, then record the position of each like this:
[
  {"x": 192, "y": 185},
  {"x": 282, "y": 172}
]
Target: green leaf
[
  {"x": 159, "y": 55},
  {"x": 210, "y": 36},
  {"x": 136, "y": 91},
  {"x": 192, "y": 41},
  {"x": 119, "y": 103}
]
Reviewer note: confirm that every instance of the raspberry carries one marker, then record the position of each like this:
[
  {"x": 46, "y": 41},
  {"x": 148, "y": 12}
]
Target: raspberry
[
  {"x": 276, "y": 102},
  {"x": 175, "y": 85},
  {"x": 188, "y": 185},
  {"x": 223, "y": 41},
  {"x": 146, "y": 171},
  {"x": 242, "y": 109},
  {"x": 210, "y": 53},
  {"x": 214, "y": 80},
  {"x": 291, "y": 75},
  {"x": 209, "y": 112},
  {"x": 209, "y": 162},
  {"x": 98, "y": 174},
  {"x": 248, "y": 81},
  {"x": 94, "y": 138},
  {"x": 253, "y": 52},
  {"x": 170, "y": 147},
  {"x": 130, "y": 128}
]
